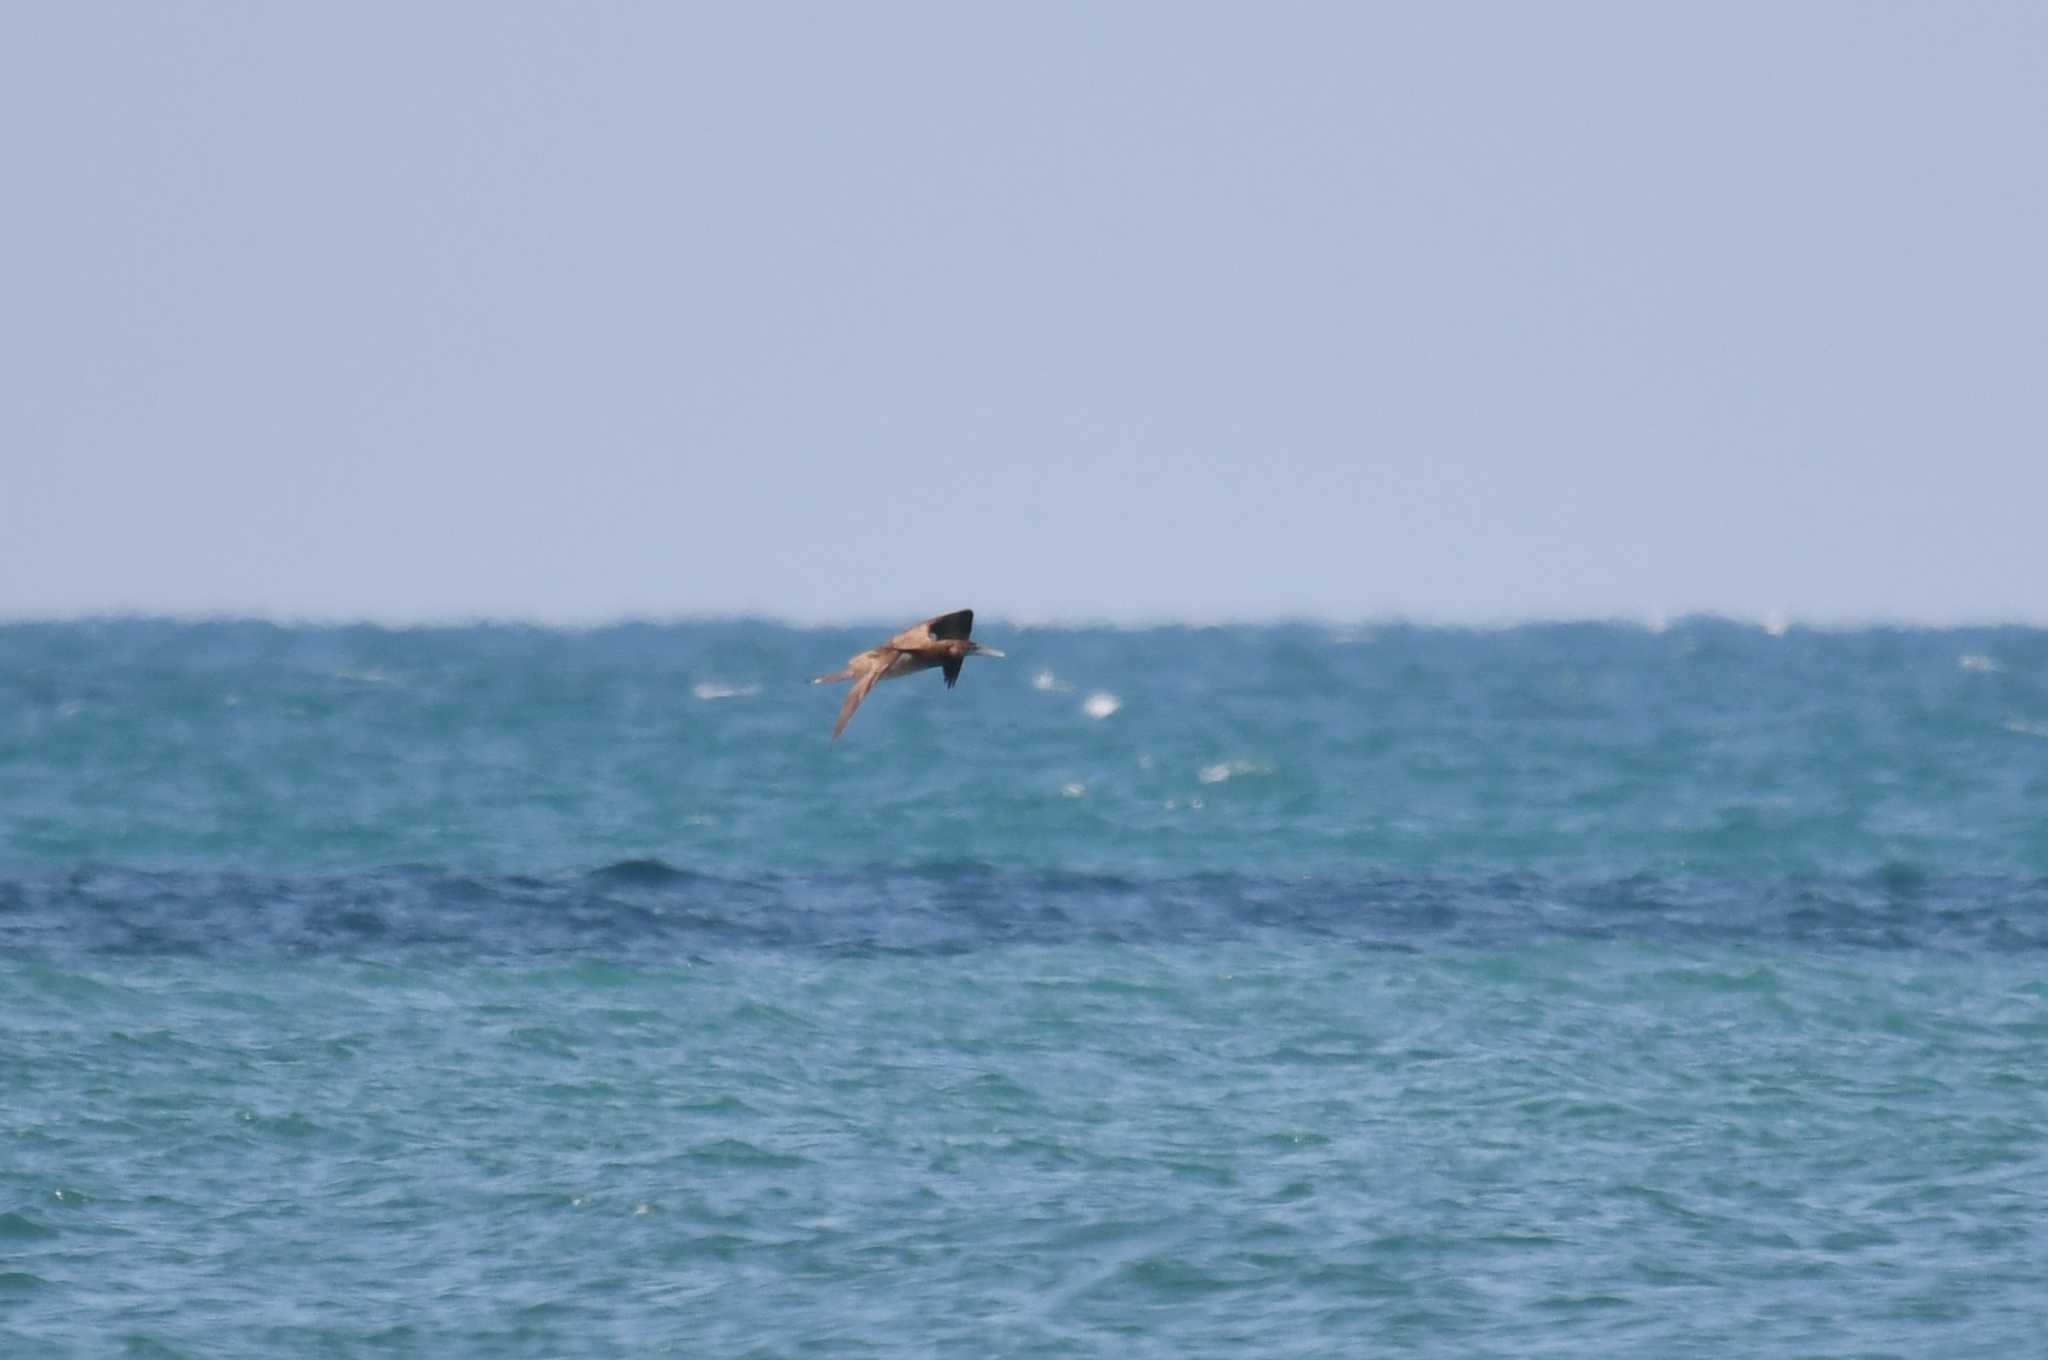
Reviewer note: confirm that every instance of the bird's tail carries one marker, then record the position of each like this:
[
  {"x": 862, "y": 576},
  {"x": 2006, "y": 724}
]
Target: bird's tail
[{"x": 835, "y": 677}]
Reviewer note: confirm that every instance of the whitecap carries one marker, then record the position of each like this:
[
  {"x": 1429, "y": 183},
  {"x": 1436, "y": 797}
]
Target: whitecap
[
  {"x": 2027, "y": 729},
  {"x": 1101, "y": 704},
  {"x": 1977, "y": 661},
  {"x": 1073, "y": 790},
  {"x": 709, "y": 690},
  {"x": 1047, "y": 681},
  {"x": 1227, "y": 769}
]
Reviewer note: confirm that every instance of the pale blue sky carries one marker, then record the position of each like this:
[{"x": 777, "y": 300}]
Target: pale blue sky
[{"x": 1133, "y": 311}]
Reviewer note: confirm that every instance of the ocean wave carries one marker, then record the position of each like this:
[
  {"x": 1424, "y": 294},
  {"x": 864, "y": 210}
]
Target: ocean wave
[
  {"x": 1101, "y": 704},
  {"x": 711, "y": 690},
  {"x": 1230, "y": 769}
]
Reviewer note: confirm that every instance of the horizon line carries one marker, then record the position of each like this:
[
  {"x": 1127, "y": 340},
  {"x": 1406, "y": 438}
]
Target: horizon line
[{"x": 1773, "y": 622}]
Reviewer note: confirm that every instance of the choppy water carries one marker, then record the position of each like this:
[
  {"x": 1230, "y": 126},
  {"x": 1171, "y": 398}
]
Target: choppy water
[{"x": 1284, "y": 991}]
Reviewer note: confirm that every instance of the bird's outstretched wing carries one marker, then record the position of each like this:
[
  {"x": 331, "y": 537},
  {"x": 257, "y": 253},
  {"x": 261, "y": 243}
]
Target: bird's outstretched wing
[
  {"x": 869, "y": 674},
  {"x": 939, "y": 628}
]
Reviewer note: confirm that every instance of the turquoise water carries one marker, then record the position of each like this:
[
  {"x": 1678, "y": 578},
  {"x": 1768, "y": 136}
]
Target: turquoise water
[{"x": 1258, "y": 991}]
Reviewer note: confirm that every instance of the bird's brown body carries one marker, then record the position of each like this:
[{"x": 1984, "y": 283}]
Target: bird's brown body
[{"x": 939, "y": 641}]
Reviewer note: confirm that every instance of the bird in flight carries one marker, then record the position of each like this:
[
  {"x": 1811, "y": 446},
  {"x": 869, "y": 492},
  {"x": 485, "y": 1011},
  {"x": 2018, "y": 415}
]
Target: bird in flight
[{"x": 940, "y": 641}]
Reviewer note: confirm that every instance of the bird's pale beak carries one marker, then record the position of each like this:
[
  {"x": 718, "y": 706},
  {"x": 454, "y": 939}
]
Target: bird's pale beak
[{"x": 980, "y": 650}]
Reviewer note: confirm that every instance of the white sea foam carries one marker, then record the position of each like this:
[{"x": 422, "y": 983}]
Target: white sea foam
[
  {"x": 1073, "y": 790},
  {"x": 2027, "y": 729},
  {"x": 1047, "y": 681},
  {"x": 1227, "y": 769},
  {"x": 1101, "y": 704},
  {"x": 1977, "y": 661},
  {"x": 711, "y": 690}
]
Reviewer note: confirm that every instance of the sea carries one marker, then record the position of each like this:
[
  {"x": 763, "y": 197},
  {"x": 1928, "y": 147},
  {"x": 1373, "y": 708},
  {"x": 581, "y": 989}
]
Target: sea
[{"x": 1568, "y": 990}]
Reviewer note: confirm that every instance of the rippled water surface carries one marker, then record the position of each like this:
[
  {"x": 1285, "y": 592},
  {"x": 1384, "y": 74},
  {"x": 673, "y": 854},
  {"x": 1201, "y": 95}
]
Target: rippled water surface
[{"x": 1263, "y": 991}]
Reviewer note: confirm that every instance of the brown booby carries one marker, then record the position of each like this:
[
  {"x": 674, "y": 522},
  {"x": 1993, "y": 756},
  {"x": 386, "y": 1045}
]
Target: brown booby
[{"x": 939, "y": 641}]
